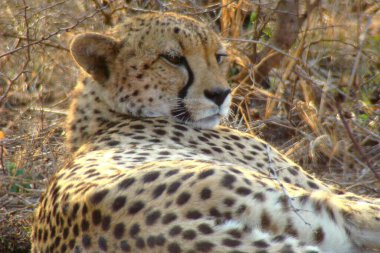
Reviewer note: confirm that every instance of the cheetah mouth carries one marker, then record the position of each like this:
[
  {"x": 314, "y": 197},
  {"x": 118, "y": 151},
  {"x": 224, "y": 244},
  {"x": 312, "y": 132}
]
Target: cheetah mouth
[
  {"x": 208, "y": 122},
  {"x": 208, "y": 118}
]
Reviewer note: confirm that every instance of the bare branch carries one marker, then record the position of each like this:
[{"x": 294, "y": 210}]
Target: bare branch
[
  {"x": 58, "y": 31},
  {"x": 356, "y": 144}
]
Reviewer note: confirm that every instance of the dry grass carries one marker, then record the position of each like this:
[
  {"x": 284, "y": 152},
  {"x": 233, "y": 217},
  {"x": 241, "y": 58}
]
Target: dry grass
[{"x": 321, "y": 105}]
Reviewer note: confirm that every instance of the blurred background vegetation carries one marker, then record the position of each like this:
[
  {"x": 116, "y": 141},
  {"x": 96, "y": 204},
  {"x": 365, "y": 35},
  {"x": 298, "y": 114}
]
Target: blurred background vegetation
[{"x": 305, "y": 77}]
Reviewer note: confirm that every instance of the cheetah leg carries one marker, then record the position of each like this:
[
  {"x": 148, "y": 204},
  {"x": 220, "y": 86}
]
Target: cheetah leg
[
  {"x": 336, "y": 223},
  {"x": 362, "y": 219},
  {"x": 209, "y": 235}
]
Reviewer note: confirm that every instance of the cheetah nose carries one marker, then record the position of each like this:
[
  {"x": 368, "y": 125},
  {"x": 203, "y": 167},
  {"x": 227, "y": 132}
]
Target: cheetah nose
[{"x": 217, "y": 95}]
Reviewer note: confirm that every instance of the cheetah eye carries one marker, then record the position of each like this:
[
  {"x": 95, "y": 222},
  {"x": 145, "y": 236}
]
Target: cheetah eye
[
  {"x": 219, "y": 57},
  {"x": 174, "y": 59}
]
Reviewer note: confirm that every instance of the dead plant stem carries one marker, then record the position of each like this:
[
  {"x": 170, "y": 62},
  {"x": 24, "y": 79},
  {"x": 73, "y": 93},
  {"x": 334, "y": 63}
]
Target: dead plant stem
[{"x": 355, "y": 143}]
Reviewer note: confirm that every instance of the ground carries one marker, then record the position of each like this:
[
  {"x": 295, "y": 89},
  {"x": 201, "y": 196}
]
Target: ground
[{"x": 328, "y": 91}]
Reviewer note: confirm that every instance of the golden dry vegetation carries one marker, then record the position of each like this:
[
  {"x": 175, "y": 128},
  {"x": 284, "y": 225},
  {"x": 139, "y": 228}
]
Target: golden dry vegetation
[{"x": 306, "y": 78}]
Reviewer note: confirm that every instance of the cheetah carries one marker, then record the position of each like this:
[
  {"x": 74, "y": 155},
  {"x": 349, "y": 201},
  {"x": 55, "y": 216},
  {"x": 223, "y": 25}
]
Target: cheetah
[{"x": 152, "y": 171}]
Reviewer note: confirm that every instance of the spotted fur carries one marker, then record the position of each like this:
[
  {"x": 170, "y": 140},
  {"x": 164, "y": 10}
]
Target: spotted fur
[{"x": 152, "y": 172}]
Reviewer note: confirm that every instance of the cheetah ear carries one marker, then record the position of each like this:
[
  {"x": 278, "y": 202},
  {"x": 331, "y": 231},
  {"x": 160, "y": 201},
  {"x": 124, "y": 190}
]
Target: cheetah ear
[{"x": 94, "y": 53}]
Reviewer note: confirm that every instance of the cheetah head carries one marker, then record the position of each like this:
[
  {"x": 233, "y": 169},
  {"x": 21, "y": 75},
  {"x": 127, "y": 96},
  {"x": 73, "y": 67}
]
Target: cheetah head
[{"x": 164, "y": 65}]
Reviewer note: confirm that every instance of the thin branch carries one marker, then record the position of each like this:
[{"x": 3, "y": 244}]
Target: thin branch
[
  {"x": 273, "y": 172},
  {"x": 2, "y": 167},
  {"x": 12, "y": 81},
  {"x": 26, "y": 21},
  {"x": 7, "y": 35},
  {"x": 356, "y": 144},
  {"x": 267, "y": 45},
  {"x": 58, "y": 31}
]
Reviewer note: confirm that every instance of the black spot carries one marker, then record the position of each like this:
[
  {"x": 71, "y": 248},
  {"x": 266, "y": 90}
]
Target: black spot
[
  {"x": 86, "y": 241},
  {"x": 98, "y": 196},
  {"x": 241, "y": 209},
  {"x": 57, "y": 241},
  {"x": 75, "y": 210},
  {"x": 231, "y": 242},
  {"x": 235, "y": 233},
  {"x": 330, "y": 212},
  {"x": 113, "y": 143},
  {"x": 151, "y": 176},
  {"x": 172, "y": 188},
  {"x": 319, "y": 235},
  {"x": 169, "y": 217},
  {"x": 244, "y": 191},
  {"x": 214, "y": 212},
  {"x": 304, "y": 198},
  {"x": 170, "y": 172},
  {"x": 205, "y": 193},
  {"x": 160, "y": 240},
  {"x": 193, "y": 214},
  {"x": 102, "y": 242},
  {"x": 176, "y": 30},
  {"x": 259, "y": 196},
  {"x": 175, "y": 230},
  {"x": 158, "y": 190},
  {"x": 152, "y": 218},
  {"x": 189, "y": 234},
  {"x": 278, "y": 238},
  {"x": 96, "y": 217},
  {"x": 151, "y": 241},
  {"x": 174, "y": 248},
  {"x": 63, "y": 247},
  {"x": 261, "y": 244},
  {"x": 293, "y": 171},
  {"x": 183, "y": 198},
  {"x": 290, "y": 229},
  {"x": 85, "y": 225},
  {"x": 165, "y": 153},
  {"x": 228, "y": 181},
  {"x": 205, "y": 229},
  {"x": 203, "y": 139},
  {"x": 126, "y": 183},
  {"x": 71, "y": 243},
  {"x": 234, "y": 137},
  {"x": 247, "y": 157},
  {"x": 134, "y": 230},
  {"x": 65, "y": 234},
  {"x": 204, "y": 246},
  {"x": 136, "y": 207},
  {"x": 205, "y": 174},
  {"x": 137, "y": 127},
  {"x": 180, "y": 127},
  {"x": 140, "y": 243},
  {"x": 124, "y": 245},
  {"x": 265, "y": 220},
  {"x": 118, "y": 231},
  {"x": 159, "y": 131},
  {"x": 229, "y": 202},
  {"x": 106, "y": 223},
  {"x": 313, "y": 185},
  {"x": 216, "y": 149},
  {"x": 206, "y": 151},
  {"x": 75, "y": 231},
  {"x": 187, "y": 176},
  {"x": 118, "y": 203}
]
